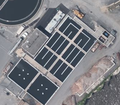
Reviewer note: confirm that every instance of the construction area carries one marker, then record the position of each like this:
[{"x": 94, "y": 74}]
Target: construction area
[
  {"x": 94, "y": 77},
  {"x": 83, "y": 93}
]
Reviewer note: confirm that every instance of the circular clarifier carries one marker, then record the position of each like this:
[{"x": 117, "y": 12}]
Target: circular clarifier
[{"x": 18, "y": 11}]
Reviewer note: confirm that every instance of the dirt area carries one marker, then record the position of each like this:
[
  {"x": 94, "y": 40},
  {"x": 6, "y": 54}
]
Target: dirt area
[
  {"x": 109, "y": 95},
  {"x": 113, "y": 11},
  {"x": 87, "y": 82},
  {"x": 93, "y": 77},
  {"x": 69, "y": 101},
  {"x": 30, "y": 100}
]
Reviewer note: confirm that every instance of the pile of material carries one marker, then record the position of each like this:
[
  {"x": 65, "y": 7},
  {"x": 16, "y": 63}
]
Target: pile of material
[
  {"x": 93, "y": 77},
  {"x": 69, "y": 101}
]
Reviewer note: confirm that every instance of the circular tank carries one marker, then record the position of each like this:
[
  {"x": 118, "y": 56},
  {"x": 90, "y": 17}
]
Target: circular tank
[{"x": 14, "y": 12}]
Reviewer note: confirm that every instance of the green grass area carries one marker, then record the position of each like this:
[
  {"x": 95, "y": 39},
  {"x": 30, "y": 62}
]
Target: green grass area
[{"x": 82, "y": 102}]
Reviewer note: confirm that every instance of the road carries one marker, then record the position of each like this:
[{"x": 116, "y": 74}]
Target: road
[
  {"x": 90, "y": 58},
  {"x": 6, "y": 99}
]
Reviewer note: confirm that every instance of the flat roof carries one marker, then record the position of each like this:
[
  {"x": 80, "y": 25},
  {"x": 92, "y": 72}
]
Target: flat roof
[
  {"x": 65, "y": 49},
  {"x": 42, "y": 89},
  {"x": 48, "y": 16},
  {"x": 51, "y": 12},
  {"x": 35, "y": 41},
  {"x": 22, "y": 74},
  {"x": 55, "y": 21}
]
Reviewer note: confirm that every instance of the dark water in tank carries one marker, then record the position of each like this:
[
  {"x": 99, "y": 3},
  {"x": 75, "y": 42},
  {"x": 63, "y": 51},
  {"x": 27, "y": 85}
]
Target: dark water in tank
[{"x": 16, "y": 11}]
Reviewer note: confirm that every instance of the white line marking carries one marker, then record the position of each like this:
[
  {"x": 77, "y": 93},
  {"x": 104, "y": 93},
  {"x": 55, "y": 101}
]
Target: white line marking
[
  {"x": 69, "y": 25},
  {"x": 48, "y": 60},
  {"x": 79, "y": 41},
  {"x": 69, "y": 34},
  {"x": 70, "y": 53},
  {"x": 86, "y": 43},
  {"x": 45, "y": 54},
  {"x": 60, "y": 45},
  {"x": 66, "y": 28},
  {"x": 74, "y": 26},
  {"x": 85, "y": 35},
  {"x": 83, "y": 40},
  {"x": 75, "y": 56},
  {"x": 55, "y": 41},
  {"x": 64, "y": 70},
  {"x": 45, "y": 44},
  {"x": 58, "y": 68}
]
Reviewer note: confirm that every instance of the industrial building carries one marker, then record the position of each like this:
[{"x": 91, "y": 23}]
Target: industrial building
[
  {"x": 53, "y": 51},
  {"x": 34, "y": 42}
]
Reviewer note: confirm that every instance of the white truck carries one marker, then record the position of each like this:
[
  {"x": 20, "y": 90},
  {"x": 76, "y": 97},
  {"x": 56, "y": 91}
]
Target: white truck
[
  {"x": 20, "y": 30},
  {"x": 24, "y": 35},
  {"x": 94, "y": 48}
]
